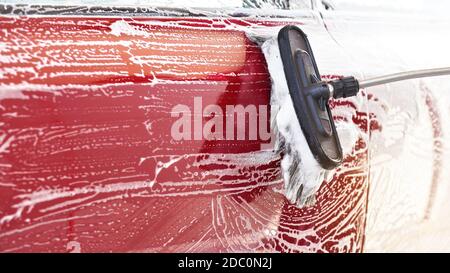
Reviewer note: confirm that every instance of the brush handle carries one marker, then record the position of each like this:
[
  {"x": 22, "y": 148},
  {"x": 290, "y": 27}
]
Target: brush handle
[{"x": 414, "y": 74}]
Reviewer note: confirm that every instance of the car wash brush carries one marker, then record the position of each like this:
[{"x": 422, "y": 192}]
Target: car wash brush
[{"x": 301, "y": 119}]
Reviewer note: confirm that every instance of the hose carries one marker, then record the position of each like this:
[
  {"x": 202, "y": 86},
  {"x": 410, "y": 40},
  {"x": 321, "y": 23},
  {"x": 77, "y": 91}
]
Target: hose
[{"x": 404, "y": 76}]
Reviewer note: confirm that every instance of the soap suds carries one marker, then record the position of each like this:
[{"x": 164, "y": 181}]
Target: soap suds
[{"x": 123, "y": 27}]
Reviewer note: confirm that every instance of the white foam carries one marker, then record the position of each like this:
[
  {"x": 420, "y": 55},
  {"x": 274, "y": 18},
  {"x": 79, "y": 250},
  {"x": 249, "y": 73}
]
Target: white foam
[{"x": 122, "y": 27}]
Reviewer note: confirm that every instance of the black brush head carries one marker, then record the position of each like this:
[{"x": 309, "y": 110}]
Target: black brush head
[{"x": 309, "y": 96}]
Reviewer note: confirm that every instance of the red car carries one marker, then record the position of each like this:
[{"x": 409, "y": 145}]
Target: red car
[{"x": 107, "y": 144}]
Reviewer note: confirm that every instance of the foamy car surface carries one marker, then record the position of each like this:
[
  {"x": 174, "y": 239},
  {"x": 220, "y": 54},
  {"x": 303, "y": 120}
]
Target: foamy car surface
[{"x": 144, "y": 130}]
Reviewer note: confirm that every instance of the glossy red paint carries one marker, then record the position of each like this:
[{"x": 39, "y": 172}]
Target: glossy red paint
[{"x": 88, "y": 163}]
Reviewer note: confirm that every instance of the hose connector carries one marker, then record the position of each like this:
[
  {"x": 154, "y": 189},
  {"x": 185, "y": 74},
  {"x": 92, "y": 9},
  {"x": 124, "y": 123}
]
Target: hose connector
[{"x": 345, "y": 87}]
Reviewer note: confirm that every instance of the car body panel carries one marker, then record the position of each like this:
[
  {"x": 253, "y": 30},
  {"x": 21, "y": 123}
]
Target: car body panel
[{"x": 90, "y": 163}]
